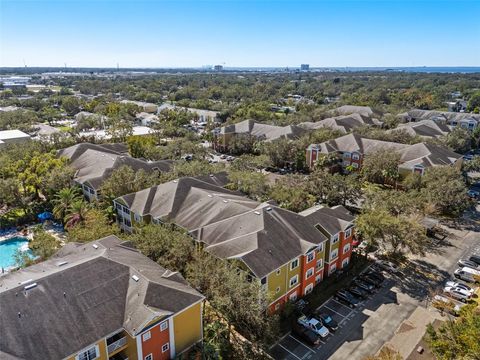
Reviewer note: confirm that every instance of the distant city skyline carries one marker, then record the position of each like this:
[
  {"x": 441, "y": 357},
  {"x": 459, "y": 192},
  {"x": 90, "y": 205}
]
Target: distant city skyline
[{"x": 176, "y": 34}]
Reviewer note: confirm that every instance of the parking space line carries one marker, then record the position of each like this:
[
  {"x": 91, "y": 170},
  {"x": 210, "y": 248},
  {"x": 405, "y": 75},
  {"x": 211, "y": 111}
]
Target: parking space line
[
  {"x": 301, "y": 343},
  {"x": 284, "y": 348},
  {"x": 343, "y": 316}
]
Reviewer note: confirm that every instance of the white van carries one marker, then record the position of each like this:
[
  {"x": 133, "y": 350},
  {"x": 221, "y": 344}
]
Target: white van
[{"x": 467, "y": 274}]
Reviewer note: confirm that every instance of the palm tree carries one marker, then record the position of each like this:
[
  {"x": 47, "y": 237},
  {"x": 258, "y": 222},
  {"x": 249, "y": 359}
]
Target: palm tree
[
  {"x": 76, "y": 213},
  {"x": 63, "y": 201}
]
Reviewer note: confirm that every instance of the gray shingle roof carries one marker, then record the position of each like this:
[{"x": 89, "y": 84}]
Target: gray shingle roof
[
  {"x": 332, "y": 220},
  {"x": 424, "y": 128},
  {"x": 263, "y": 131},
  {"x": 89, "y": 297}
]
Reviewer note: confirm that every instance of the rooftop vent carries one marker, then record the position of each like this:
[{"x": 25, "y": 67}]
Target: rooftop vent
[
  {"x": 26, "y": 281},
  {"x": 211, "y": 175},
  {"x": 95, "y": 246},
  {"x": 62, "y": 263},
  {"x": 174, "y": 181},
  {"x": 257, "y": 212},
  {"x": 135, "y": 278},
  {"x": 31, "y": 286},
  {"x": 225, "y": 201},
  {"x": 209, "y": 195},
  {"x": 269, "y": 209}
]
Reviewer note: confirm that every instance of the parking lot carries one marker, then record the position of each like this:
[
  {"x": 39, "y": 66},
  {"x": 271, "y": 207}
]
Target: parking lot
[{"x": 349, "y": 326}]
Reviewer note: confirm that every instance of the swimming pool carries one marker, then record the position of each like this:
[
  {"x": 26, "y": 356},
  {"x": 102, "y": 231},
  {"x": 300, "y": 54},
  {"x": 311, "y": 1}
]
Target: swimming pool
[{"x": 8, "y": 249}]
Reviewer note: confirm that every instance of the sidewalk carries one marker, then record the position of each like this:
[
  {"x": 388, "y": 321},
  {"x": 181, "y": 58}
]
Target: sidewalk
[{"x": 411, "y": 331}]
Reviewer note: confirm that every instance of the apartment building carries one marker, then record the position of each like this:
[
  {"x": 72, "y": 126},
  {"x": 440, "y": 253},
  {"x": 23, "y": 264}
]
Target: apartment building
[
  {"x": 285, "y": 251},
  {"x": 100, "y": 300},
  {"x": 351, "y": 150},
  {"x": 94, "y": 163}
]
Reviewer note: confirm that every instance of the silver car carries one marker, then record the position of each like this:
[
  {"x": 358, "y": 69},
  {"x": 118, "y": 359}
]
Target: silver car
[{"x": 457, "y": 293}]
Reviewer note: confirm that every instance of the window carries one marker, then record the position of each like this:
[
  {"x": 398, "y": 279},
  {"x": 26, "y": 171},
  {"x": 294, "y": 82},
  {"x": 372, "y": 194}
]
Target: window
[
  {"x": 346, "y": 155},
  {"x": 278, "y": 272},
  {"x": 165, "y": 347},
  {"x": 348, "y": 233},
  {"x": 277, "y": 290},
  {"x": 319, "y": 264},
  {"x": 345, "y": 262},
  {"x": 335, "y": 238},
  {"x": 334, "y": 254},
  {"x": 308, "y": 289},
  {"x": 91, "y": 191},
  {"x": 332, "y": 268},
  {"x": 320, "y": 248},
  {"x": 89, "y": 354},
  {"x": 163, "y": 326},
  {"x": 355, "y": 156},
  {"x": 293, "y": 297},
  {"x": 346, "y": 248},
  {"x": 294, "y": 264},
  {"x": 146, "y": 336},
  {"x": 263, "y": 281},
  {"x": 310, "y": 256},
  {"x": 137, "y": 218},
  {"x": 126, "y": 210},
  {"x": 309, "y": 273},
  {"x": 149, "y": 357},
  {"x": 294, "y": 280},
  {"x": 354, "y": 165},
  {"x": 127, "y": 222},
  {"x": 277, "y": 306},
  {"x": 118, "y": 206},
  {"x": 318, "y": 278}
]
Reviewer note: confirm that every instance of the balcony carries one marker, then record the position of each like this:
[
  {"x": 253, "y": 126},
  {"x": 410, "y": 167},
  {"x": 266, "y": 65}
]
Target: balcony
[
  {"x": 119, "y": 356},
  {"x": 116, "y": 342}
]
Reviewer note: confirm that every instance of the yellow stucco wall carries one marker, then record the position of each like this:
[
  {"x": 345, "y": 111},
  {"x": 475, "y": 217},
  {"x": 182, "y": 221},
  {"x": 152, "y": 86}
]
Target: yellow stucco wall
[
  {"x": 275, "y": 281},
  {"x": 131, "y": 350},
  {"x": 291, "y": 273},
  {"x": 102, "y": 347},
  {"x": 187, "y": 327}
]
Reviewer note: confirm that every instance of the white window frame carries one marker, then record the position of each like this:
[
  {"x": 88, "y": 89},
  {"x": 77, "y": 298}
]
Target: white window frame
[
  {"x": 332, "y": 268},
  {"x": 277, "y": 290},
  {"x": 320, "y": 248},
  {"x": 296, "y": 262},
  {"x": 345, "y": 262},
  {"x": 277, "y": 306},
  {"x": 138, "y": 218},
  {"x": 318, "y": 279},
  {"x": 146, "y": 336},
  {"x": 278, "y": 272},
  {"x": 164, "y": 326},
  {"x": 149, "y": 357},
  {"x": 295, "y": 282},
  {"x": 311, "y": 271},
  {"x": 312, "y": 254},
  {"x": 293, "y": 297},
  {"x": 354, "y": 165},
  {"x": 335, "y": 238},
  {"x": 86, "y": 351},
  {"x": 336, "y": 254},
  {"x": 346, "y": 155},
  {"x": 348, "y": 233},
  {"x": 355, "y": 156},
  {"x": 308, "y": 289},
  {"x": 317, "y": 266},
  {"x": 165, "y": 347},
  {"x": 347, "y": 246}
]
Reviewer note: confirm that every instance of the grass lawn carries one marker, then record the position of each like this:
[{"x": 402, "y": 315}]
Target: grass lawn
[
  {"x": 323, "y": 291},
  {"x": 64, "y": 128}
]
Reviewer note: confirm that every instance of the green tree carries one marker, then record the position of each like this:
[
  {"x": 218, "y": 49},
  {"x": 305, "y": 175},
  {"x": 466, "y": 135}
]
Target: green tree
[
  {"x": 381, "y": 167},
  {"x": 71, "y": 104},
  {"x": 252, "y": 183},
  {"x": 95, "y": 226},
  {"x": 43, "y": 244},
  {"x": 459, "y": 140},
  {"x": 76, "y": 213},
  {"x": 457, "y": 339},
  {"x": 138, "y": 146},
  {"x": 474, "y": 102},
  {"x": 63, "y": 201}
]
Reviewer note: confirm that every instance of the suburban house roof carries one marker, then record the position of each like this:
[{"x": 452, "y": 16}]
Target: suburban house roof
[
  {"x": 423, "y": 128},
  {"x": 267, "y": 132},
  {"x": 13, "y": 134},
  {"x": 264, "y": 238},
  {"x": 188, "y": 202},
  {"x": 332, "y": 220},
  {"x": 82, "y": 294},
  {"x": 410, "y": 155},
  {"x": 95, "y": 163},
  {"x": 342, "y": 123},
  {"x": 446, "y": 116},
  {"x": 351, "y": 109}
]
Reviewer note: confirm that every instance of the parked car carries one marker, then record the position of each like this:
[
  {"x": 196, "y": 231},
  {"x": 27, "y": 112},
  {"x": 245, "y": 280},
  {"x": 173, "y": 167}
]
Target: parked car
[
  {"x": 223, "y": 156},
  {"x": 306, "y": 334},
  {"x": 467, "y": 274},
  {"x": 358, "y": 292},
  {"x": 230, "y": 158},
  {"x": 376, "y": 274},
  {"x": 388, "y": 266},
  {"x": 327, "y": 320},
  {"x": 347, "y": 298},
  {"x": 468, "y": 263},
  {"x": 475, "y": 258},
  {"x": 457, "y": 293},
  {"x": 473, "y": 193},
  {"x": 370, "y": 279},
  {"x": 461, "y": 286},
  {"x": 364, "y": 285},
  {"x": 313, "y": 324}
]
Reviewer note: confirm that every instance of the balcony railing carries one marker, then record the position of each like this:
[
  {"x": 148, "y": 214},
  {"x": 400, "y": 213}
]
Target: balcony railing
[{"x": 117, "y": 345}]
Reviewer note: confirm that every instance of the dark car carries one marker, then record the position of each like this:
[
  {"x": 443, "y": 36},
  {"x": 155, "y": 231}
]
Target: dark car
[
  {"x": 306, "y": 334},
  {"x": 358, "y": 292},
  {"x": 375, "y": 274},
  {"x": 364, "y": 285},
  {"x": 327, "y": 321},
  {"x": 347, "y": 298},
  {"x": 475, "y": 259},
  {"x": 371, "y": 280}
]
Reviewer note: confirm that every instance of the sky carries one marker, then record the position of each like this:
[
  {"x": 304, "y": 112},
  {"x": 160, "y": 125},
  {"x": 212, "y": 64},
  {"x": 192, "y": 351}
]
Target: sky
[{"x": 252, "y": 33}]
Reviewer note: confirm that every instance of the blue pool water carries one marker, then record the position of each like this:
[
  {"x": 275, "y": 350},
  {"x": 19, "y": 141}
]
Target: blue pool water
[{"x": 8, "y": 249}]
